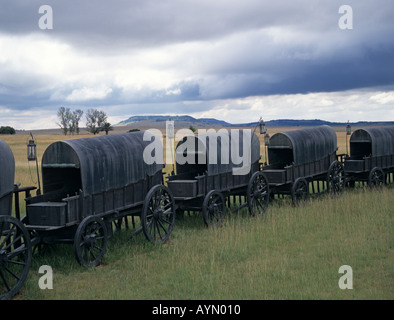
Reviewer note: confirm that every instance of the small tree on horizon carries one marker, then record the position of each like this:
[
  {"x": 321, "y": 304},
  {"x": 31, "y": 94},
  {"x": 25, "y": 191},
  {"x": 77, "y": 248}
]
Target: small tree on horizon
[
  {"x": 7, "y": 130},
  {"x": 95, "y": 120},
  {"x": 193, "y": 129},
  {"x": 76, "y": 117},
  {"x": 69, "y": 120},
  {"x": 107, "y": 127},
  {"x": 64, "y": 115}
]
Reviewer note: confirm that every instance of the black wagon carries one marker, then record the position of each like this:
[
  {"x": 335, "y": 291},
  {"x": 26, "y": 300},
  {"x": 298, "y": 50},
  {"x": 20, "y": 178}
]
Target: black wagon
[
  {"x": 15, "y": 245},
  {"x": 304, "y": 159},
  {"x": 207, "y": 180},
  {"x": 89, "y": 186},
  {"x": 371, "y": 158}
]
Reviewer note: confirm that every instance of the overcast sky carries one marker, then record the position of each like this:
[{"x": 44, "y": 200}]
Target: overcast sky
[{"x": 232, "y": 60}]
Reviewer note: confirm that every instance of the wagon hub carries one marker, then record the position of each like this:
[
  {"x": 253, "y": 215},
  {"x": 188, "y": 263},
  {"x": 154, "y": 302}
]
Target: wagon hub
[
  {"x": 158, "y": 213},
  {"x": 89, "y": 240},
  {"x": 214, "y": 207},
  {"x": 257, "y": 194}
]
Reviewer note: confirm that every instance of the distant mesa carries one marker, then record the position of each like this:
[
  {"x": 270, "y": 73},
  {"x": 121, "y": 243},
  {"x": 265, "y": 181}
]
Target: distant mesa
[{"x": 186, "y": 121}]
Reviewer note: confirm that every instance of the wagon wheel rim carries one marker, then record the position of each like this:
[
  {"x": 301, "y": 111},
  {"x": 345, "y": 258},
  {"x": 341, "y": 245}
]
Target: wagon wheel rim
[
  {"x": 300, "y": 192},
  {"x": 257, "y": 194},
  {"x": 336, "y": 178},
  {"x": 15, "y": 256},
  {"x": 90, "y": 241},
  {"x": 158, "y": 214},
  {"x": 376, "y": 178},
  {"x": 213, "y": 208}
]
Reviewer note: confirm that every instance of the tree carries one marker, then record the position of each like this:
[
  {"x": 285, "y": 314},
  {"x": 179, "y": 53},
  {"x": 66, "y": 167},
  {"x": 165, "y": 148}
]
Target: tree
[
  {"x": 7, "y": 130},
  {"x": 95, "y": 120},
  {"x": 193, "y": 129},
  {"x": 76, "y": 117},
  {"x": 107, "y": 127},
  {"x": 69, "y": 120},
  {"x": 64, "y": 116}
]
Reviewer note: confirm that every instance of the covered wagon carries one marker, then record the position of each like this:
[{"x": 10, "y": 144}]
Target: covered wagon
[
  {"x": 300, "y": 157},
  {"x": 371, "y": 156},
  {"x": 15, "y": 245},
  {"x": 92, "y": 183},
  {"x": 208, "y": 172},
  {"x": 7, "y": 167}
]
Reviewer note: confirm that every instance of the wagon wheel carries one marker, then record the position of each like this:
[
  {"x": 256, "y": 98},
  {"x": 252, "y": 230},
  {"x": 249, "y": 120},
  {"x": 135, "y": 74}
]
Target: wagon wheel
[
  {"x": 376, "y": 178},
  {"x": 213, "y": 208},
  {"x": 158, "y": 214},
  {"x": 15, "y": 256},
  {"x": 257, "y": 194},
  {"x": 300, "y": 191},
  {"x": 90, "y": 241},
  {"x": 336, "y": 179}
]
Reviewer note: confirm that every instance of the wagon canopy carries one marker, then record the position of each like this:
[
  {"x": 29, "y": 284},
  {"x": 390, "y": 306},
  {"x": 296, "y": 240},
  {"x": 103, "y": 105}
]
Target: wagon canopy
[
  {"x": 302, "y": 146},
  {"x": 372, "y": 142},
  {"x": 7, "y": 176},
  {"x": 217, "y": 153},
  {"x": 96, "y": 164}
]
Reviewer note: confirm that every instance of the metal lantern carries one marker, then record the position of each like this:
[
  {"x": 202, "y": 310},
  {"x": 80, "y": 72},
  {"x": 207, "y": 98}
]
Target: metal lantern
[
  {"x": 32, "y": 156},
  {"x": 267, "y": 140},
  {"x": 267, "y": 143},
  {"x": 263, "y": 129},
  {"x": 348, "y": 129},
  {"x": 170, "y": 135},
  {"x": 348, "y": 133},
  {"x": 31, "y": 150},
  {"x": 170, "y": 129}
]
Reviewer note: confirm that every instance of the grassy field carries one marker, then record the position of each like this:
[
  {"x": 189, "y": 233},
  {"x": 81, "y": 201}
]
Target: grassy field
[{"x": 289, "y": 253}]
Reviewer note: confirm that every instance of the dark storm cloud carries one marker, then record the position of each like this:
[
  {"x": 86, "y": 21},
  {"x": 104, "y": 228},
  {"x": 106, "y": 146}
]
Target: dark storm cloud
[
  {"x": 213, "y": 50},
  {"x": 103, "y": 24},
  {"x": 372, "y": 68},
  {"x": 123, "y": 23}
]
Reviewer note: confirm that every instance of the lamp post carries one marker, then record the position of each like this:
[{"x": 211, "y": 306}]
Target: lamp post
[
  {"x": 267, "y": 143},
  {"x": 348, "y": 129},
  {"x": 32, "y": 156},
  {"x": 263, "y": 128},
  {"x": 170, "y": 135},
  {"x": 348, "y": 133}
]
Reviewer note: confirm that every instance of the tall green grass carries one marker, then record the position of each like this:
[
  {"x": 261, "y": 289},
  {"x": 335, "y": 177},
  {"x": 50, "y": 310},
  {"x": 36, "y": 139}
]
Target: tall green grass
[{"x": 289, "y": 253}]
